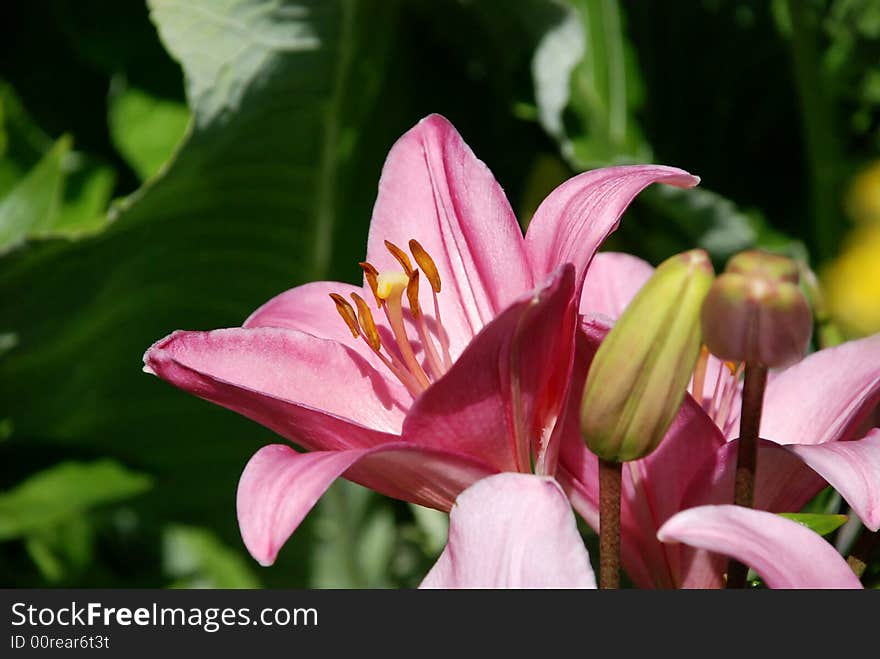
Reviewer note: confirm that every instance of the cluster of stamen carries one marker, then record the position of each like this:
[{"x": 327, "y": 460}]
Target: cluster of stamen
[
  {"x": 720, "y": 404},
  {"x": 388, "y": 290}
]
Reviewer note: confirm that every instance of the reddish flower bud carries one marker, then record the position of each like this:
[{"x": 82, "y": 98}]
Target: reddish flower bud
[{"x": 756, "y": 312}]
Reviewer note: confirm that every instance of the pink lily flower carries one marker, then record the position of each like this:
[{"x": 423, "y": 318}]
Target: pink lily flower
[
  {"x": 458, "y": 371},
  {"x": 518, "y": 531},
  {"x": 813, "y": 428}
]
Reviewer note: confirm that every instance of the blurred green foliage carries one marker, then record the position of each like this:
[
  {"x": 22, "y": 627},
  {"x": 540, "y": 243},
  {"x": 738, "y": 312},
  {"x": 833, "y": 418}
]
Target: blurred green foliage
[{"x": 175, "y": 164}]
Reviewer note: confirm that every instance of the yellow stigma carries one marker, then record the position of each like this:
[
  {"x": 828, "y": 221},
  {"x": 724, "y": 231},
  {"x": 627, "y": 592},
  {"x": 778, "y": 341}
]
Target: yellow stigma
[{"x": 390, "y": 285}]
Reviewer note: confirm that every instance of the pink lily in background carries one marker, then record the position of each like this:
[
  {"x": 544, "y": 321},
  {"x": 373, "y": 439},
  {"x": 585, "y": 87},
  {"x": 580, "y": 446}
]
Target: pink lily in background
[
  {"x": 437, "y": 374},
  {"x": 518, "y": 531},
  {"x": 813, "y": 427}
]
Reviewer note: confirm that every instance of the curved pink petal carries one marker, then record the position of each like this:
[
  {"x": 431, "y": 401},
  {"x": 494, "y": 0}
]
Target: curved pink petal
[
  {"x": 512, "y": 531},
  {"x": 612, "y": 280},
  {"x": 280, "y": 486},
  {"x": 307, "y": 308},
  {"x": 315, "y": 392},
  {"x": 576, "y": 217},
  {"x": 825, "y": 397},
  {"x": 783, "y": 483},
  {"x": 435, "y": 190},
  {"x": 853, "y": 469},
  {"x": 507, "y": 387},
  {"x": 785, "y": 553}
]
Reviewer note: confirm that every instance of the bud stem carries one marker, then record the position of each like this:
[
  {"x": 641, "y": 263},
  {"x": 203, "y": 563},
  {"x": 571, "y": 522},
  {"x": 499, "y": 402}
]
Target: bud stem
[
  {"x": 609, "y": 523},
  {"x": 747, "y": 453}
]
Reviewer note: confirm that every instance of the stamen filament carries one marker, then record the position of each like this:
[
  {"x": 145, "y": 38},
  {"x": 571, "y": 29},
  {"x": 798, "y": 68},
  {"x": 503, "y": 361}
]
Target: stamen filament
[
  {"x": 431, "y": 355},
  {"x": 715, "y": 402},
  {"x": 727, "y": 397},
  {"x": 412, "y": 294},
  {"x": 441, "y": 334},
  {"x": 700, "y": 375},
  {"x": 394, "y": 313}
]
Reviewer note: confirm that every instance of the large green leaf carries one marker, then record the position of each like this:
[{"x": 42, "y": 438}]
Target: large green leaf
[
  {"x": 62, "y": 492},
  {"x": 249, "y": 207},
  {"x": 587, "y": 86}
]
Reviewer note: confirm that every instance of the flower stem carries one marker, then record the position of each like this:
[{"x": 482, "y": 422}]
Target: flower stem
[
  {"x": 747, "y": 454},
  {"x": 609, "y": 524}
]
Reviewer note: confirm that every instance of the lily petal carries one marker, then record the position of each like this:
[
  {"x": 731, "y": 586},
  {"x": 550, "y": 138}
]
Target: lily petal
[
  {"x": 435, "y": 190},
  {"x": 826, "y": 397},
  {"x": 576, "y": 217},
  {"x": 280, "y": 486},
  {"x": 612, "y": 281},
  {"x": 315, "y": 392},
  {"x": 509, "y": 384},
  {"x": 512, "y": 531},
  {"x": 785, "y": 553},
  {"x": 853, "y": 469}
]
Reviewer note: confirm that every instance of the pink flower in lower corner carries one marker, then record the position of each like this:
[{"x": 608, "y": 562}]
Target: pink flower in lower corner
[
  {"x": 449, "y": 364},
  {"x": 816, "y": 427},
  {"x": 518, "y": 531}
]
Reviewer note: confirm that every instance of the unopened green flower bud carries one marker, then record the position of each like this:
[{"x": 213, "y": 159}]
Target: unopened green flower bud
[
  {"x": 751, "y": 318},
  {"x": 641, "y": 371}
]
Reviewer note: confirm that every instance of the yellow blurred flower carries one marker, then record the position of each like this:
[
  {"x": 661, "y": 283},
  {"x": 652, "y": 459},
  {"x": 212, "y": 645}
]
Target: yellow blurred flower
[{"x": 852, "y": 281}]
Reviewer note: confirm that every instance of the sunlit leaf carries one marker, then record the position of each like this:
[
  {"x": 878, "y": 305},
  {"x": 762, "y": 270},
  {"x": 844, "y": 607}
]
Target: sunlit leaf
[
  {"x": 821, "y": 524},
  {"x": 68, "y": 489},
  {"x": 196, "y": 558},
  {"x": 145, "y": 129}
]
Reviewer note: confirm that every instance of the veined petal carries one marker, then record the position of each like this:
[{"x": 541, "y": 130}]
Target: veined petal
[
  {"x": 853, "y": 469},
  {"x": 576, "y": 217},
  {"x": 508, "y": 386},
  {"x": 280, "y": 486},
  {"x": 435, "y": 190},
  {"x": 315, "y": 392},
  {"x": 826, "y": 397},
  {"x": 612, "y": 280},
  {"x": 512, "y": 531},
  {"x": 785, "y": 553}
]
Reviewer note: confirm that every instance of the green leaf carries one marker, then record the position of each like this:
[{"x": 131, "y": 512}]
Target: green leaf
[
  {"x": 251, "y": 204},
  {"x": 46, "y": 190},
  {"x": 587, "y": 86},
  {"x": 31, "y": 208},
  {"x": 145, "y": 129},
  {"x": 821, "y": 524},
  {"x": 196, "y": 558},
  {"x": 61, "y": 492}
]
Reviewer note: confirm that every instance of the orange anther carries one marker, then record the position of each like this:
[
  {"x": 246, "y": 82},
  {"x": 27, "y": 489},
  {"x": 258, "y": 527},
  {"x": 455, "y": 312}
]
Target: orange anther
[
  {"x": 412, "y": 294},
  {"x": 426, "y": 263},
  {"x": 347, "y": 312},
  {"x": 372, "y": 276},
  {"x": 401, "y": 257},
  {"x": 365, "y": 316}
]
